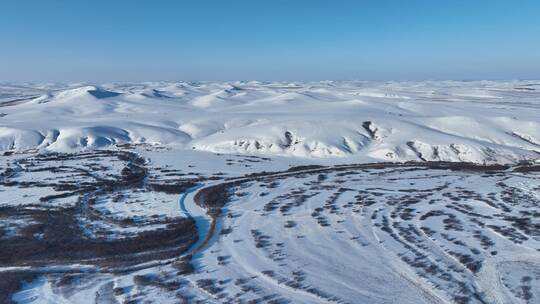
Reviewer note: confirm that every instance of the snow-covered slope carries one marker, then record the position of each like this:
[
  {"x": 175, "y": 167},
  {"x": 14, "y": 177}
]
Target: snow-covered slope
[{"x": 393, "y": 121}]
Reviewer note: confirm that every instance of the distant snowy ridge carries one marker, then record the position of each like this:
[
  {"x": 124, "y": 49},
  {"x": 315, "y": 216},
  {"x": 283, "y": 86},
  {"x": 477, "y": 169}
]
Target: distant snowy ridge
[{"x": 483, "y": 122}]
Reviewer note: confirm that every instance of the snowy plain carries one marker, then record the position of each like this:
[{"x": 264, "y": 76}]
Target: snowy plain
[{"x": 255, "y": 192}]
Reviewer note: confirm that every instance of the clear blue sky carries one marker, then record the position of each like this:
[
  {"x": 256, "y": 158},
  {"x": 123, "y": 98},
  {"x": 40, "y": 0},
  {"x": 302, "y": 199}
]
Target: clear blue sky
[{"x": 133, "y": 40}]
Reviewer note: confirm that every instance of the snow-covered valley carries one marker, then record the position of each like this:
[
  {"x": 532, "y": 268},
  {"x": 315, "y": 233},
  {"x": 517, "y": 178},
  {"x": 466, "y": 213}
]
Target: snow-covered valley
[{"x": 252, "y": 192}]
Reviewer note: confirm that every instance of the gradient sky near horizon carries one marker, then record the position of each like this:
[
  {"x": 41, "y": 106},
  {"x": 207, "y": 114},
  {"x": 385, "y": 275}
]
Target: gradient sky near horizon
[{"x": 122, "y": 40}]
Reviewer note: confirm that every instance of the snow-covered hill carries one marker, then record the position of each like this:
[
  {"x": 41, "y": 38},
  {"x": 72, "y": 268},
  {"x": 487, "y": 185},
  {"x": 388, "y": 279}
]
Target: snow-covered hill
[{"x": 357, "y": 121}]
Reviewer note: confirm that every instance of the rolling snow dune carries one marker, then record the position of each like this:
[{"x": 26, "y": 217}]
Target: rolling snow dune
[{"x": 481, "y": 121}]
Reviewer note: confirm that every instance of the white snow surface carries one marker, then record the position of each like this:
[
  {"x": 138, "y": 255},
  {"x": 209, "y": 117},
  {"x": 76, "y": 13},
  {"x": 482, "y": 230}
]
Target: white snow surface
[{"x": 479, "y": 121}]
